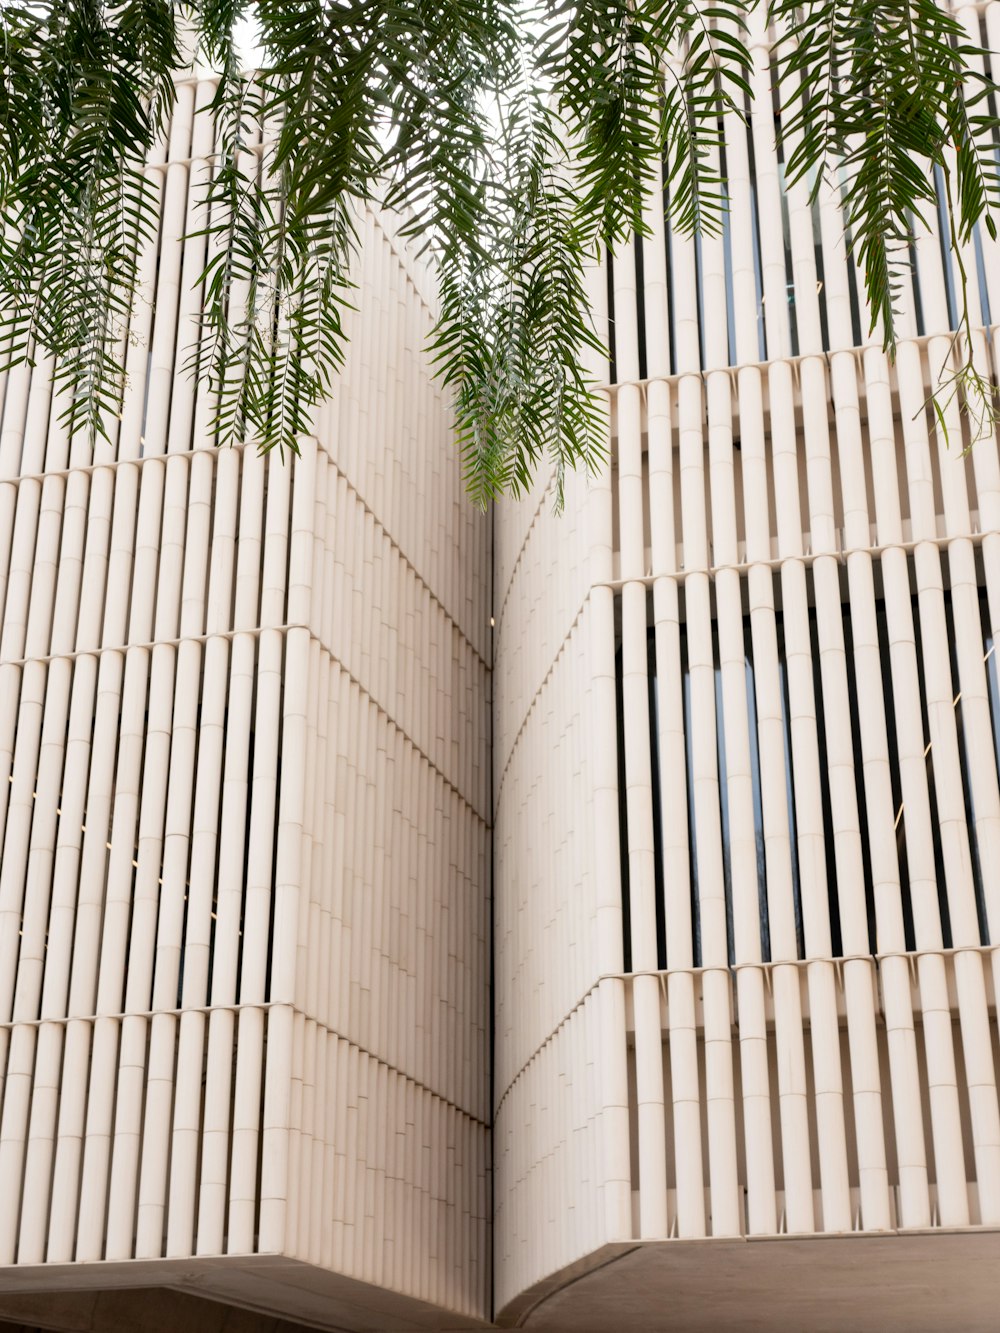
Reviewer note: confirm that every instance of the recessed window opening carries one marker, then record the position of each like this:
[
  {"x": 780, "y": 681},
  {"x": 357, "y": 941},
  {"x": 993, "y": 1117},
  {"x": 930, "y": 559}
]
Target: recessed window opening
[
  {"x": 758, "y": 273},
  {"x": 622, "y": 802},
  {"x": 906, "y": 904},
  {"x": 696, "y": 954},
  {"x": 226, "y": 740},
  {"x": 942, "y": 894},
  {"x": 858, "y": 303},
  {"x": 640, "y": 304},
  {"x": 668, "y": 245},
  {"x": 817, "y": 231},
  {"x": 758, "y": 811},
  {"x": 657, "y": 787},
  {"x": 963, "y": 750},
  {"x": 786, "y": 235},
  {"x": 250, "y": 742},
  {"x": 944, "y": 238},
  {"x": 699, "y": 288},
  {"x": 984, "y": 294},
  {"x": 720, "y": 740},
  {"x": 859, "y": 769},
  {"x": 992, "y": 682},
  {"x": 786, "y": 736},
  {"x": 761, "y": 765},
  {"x": 829, "y": 838},
  {"x": 856, "y": 325},
  {"x": 274, "y": 845},
  {"x": 612, "y": 352},
  {"x": 727, "y": 254},
  {"x": 918, "y": 307}
]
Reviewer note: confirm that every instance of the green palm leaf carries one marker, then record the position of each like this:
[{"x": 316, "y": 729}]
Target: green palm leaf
[{"x": 459, "y": 115}]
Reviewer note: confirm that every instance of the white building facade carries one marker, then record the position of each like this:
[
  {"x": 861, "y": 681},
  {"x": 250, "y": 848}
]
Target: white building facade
[
  {"x": 367, "y": 966},
  {"x": 746, "y": 736},
  {"x": 245, "y": 804}
]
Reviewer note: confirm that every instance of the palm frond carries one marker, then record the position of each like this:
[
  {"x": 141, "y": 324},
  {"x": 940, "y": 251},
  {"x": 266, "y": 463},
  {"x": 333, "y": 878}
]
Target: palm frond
[{"x": 515, "y": 138}]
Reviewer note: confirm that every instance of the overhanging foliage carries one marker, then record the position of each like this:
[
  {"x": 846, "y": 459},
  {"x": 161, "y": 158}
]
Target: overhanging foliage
[{"x": 461, "y": 115}]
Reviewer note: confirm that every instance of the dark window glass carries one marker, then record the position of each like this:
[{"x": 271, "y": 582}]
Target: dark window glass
[{"x": 833, "y": 887}]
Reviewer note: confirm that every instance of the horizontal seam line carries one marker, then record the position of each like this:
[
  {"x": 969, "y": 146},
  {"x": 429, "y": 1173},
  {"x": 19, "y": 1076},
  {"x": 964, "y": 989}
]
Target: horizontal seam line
[
  {"x": 255, "y": 632},
  {"x": 237, "y": 1007}
]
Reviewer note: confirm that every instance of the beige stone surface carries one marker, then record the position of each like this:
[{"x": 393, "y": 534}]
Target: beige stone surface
[
  {"x": 918, "y": 1283},
  {"x": 153, "y": 1310},
  {"x": 253, "y": 1292}
]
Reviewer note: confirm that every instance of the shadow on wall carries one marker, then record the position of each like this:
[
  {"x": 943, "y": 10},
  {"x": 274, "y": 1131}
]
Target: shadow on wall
[{"x": 143, "y": 1310}]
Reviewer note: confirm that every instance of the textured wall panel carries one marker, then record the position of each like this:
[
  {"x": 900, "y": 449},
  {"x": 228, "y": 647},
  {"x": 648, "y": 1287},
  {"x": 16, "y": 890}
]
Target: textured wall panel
[
  {"x": 785, "y": 604},
  {"x": 244, "y": 804}
]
